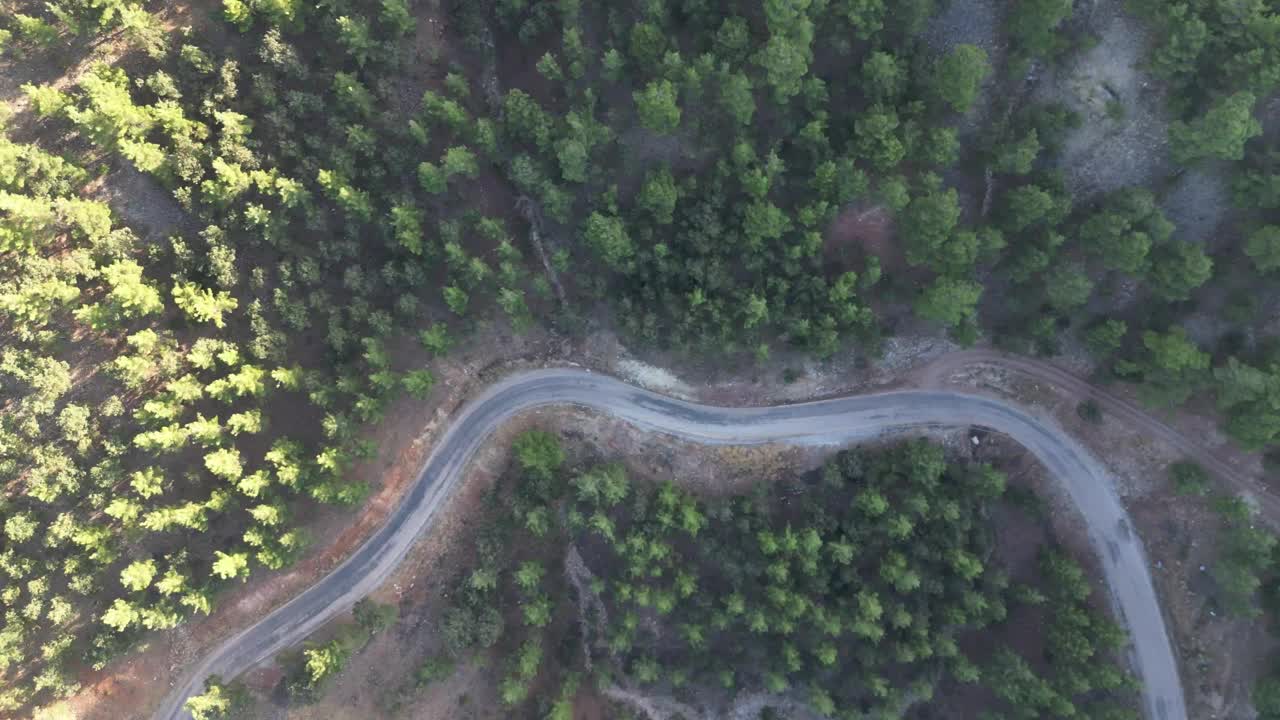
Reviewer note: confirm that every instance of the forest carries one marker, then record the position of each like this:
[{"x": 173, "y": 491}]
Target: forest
[
  {"x": 172, "y": 408},
  {"x": 880, "y": 567}
]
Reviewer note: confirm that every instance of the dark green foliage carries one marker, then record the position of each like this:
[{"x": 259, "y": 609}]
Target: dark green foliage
[
  {"x": 658, "y": 195},
  {"x": 648, "y": 42},
  {"x": 1067, "y": 287},
  {"x": 1250, "y": 397},
  {"x": 786, "y": 55},
  {"x": 608, "y": 237},
  {"x": 1033, "y": 24},
  {"x": 1171, "y": 367},
  {"x": 883, "y": 77},
  {"x": 1104, "y": 338},
  {"x": 928, "y": 224},
  {"x": 1030, "y": 217},
  {"x": 957, "y": 77},
  {"x": 1029, "y": 206},
  {"x": 876, "y": 138},
  {"x": 434, "y": 669},
  {"x": 657, "y": 107},
  {"x": 1266, "y": 698},
  {"x": 1078, "y": 637},
  {"x": 1189, "y": 478},
  {"x": 949, "y": 301},
  {"x": 1089, "y": 411},
  {"x": 733, "y": 39},
  {"x": 1177, "y": 269},
  {"x": 1220, "y": 133},
  {"x": 525, "y": 120},
  {"x": 875, "y": 573},
  {"x": 539, "y": 454},
  {"x": 470, "y": 627},
  {"x": 1123, "y": 232},
  {"x": 733, "y": 257},
  {"x": 1213, "y": 47},
  {"x": 1263, "y": 247},
  {"x": 906, "y": 18},
  {"x": 685, "y": 163},
  {"x": 737, "y": 98},
  {"x": 372, "y": 617},
  {"x": 1257, "y": 185},
  {"x": 1018, "y": 156},
  {"x": 1245, "y": 558}
]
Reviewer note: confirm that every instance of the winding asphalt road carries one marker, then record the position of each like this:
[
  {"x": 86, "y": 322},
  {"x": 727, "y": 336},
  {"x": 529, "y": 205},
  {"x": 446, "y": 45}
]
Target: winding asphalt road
[
  {"x": 824, "y": 422},
  {"x": 1130, "y": 415}
]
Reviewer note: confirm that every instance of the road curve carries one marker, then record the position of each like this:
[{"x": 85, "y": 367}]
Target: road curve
[
  {"x": 1132, "y": 416},
  {"x": 823, "y": 422}
]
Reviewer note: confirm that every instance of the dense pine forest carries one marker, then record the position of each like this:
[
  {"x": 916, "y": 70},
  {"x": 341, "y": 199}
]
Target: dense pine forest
[
  {"x": 171, "y": 406},
  {"x": 863, "y": 595}
]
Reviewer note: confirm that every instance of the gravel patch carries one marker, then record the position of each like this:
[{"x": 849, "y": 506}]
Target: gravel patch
[
  {"x": 1122, "y": 139},
  {"x": 1204, "y": 328},
  {"x": 904, "y": 352},
  {"x": 653, "y": 707},
  {"x": 967, "y": 22},
  {"x": 143, "y": 203},
  {"x": 1197, "y": 203},
  {"x": 655, "y": 378}
]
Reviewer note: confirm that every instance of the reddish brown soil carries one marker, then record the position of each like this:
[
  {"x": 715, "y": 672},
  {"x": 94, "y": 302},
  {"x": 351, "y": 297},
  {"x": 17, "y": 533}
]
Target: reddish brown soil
[
  {"x": 590, "y": 706},
  {"x": 861, "y": 231}
]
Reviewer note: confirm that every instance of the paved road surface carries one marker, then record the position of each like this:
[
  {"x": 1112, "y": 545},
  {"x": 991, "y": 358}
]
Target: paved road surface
[
  {"x": 1116, "y": 408},
  {"x": 829, "y": 421}
]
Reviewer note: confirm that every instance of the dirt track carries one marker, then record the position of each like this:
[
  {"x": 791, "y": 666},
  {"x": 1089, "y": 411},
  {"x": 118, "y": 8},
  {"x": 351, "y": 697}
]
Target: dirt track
[
  {"x": 833, "y": 421},
  {"x": 934, "y": 374}
]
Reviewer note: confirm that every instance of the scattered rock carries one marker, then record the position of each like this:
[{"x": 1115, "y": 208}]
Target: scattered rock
[
  {"x": 1122, "y": 139},
  {"x": 654, "y": 378}
]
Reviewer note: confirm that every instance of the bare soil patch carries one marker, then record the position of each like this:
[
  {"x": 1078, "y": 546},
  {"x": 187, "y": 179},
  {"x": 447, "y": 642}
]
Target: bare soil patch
[
  {"x": 422, "y": 70},
  {"x": 142, "y": 203},
  {"x": 1021, "y": 537},
  {"x": 1198, "y": 202},
  {"x": 869, "y": 229},
  {"x": 1122, "y": 139}
]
